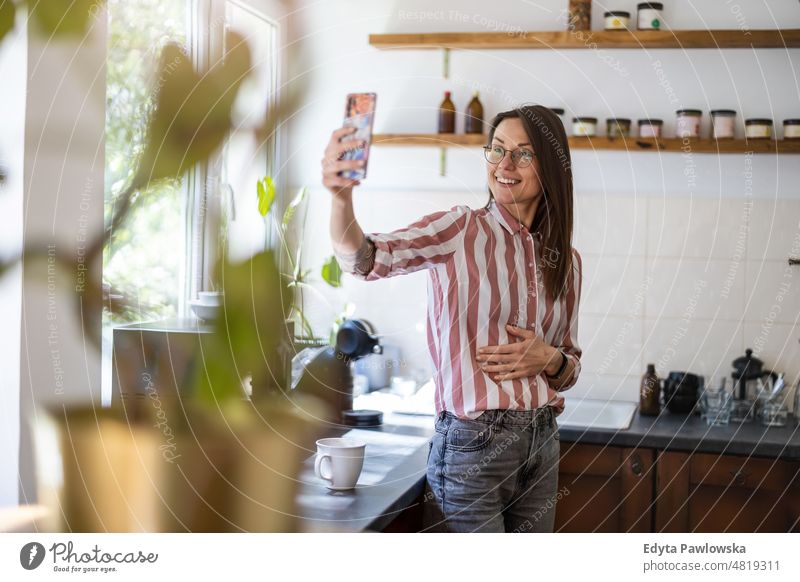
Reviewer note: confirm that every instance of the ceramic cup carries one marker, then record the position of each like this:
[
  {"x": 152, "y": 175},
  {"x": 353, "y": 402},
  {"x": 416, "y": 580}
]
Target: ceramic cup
[{"x": 339, "y": 462}]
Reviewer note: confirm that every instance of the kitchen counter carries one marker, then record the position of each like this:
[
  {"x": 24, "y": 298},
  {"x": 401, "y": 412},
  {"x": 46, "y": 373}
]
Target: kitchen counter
[
  {"x": 392, "y": 480},
  {"x": 674, "y": 432}
]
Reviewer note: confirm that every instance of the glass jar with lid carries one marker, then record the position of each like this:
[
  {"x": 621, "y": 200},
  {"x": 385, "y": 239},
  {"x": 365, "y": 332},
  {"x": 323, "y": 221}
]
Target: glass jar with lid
[
  {"x": 723, "y": 123},
  {"x": 758, "y": 128},
  {"x": 617, "y": 20},
  {"x": 650, "y": 127},
  {"x": 617, "y": 127},
  {"x": 584, "y": 126},
  {"x": 649, "y": 15},
  {"x": 687, "y": 124},
  {"x": 791, "y": 129}
]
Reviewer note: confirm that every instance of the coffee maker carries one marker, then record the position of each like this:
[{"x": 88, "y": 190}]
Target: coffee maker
[{"x": 327, "y": 373}]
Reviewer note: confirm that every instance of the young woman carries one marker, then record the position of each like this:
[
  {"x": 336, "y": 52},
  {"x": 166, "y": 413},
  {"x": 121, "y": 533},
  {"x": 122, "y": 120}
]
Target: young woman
[{"x": 503, "y": 292}]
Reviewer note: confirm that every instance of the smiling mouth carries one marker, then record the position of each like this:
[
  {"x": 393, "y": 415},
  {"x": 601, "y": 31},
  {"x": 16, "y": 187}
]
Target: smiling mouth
[{"x": 506, "y": 181}]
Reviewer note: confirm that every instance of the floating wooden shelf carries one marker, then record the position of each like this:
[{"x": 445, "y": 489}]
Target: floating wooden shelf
[
  {"x": 439, "y": 140},
  {"x": 700, "y": 146},
  {"x": 634, "y": 39}
]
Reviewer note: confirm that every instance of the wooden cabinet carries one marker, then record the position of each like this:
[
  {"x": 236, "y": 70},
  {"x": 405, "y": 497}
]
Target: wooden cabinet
[
  {"x": 726, "y": 493},
  {"x": 606, "y": 489},
  {"x": 616, "y": 489}
]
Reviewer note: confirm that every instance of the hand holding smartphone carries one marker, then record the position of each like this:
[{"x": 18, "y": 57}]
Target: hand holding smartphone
[{"x": 359, "y": 113}]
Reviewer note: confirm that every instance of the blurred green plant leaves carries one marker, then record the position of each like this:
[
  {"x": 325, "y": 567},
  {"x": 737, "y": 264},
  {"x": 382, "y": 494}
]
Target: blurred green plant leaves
[
  {"x": 266, "y": 195},
  {"x": 193, "y": 111},
  {"x": 249, "y": 330},
  {"x": 8, "y": 13},
  {"x": 332, "y": 272},
  {"x": 63, "y": 17}
]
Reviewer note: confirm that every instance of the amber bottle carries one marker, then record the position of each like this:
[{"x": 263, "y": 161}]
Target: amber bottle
[
  {"x": 447, "y": 115},
  {"x": 649, "y": 393},
  {"x": 474, "y": 119}
]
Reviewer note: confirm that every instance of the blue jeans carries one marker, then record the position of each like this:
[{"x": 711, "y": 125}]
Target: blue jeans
[{"x": 497, "y": 473}]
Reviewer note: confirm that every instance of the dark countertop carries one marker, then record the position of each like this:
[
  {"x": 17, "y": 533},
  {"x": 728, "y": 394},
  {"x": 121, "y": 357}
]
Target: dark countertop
[
  {"x": 392, "y": 479},
  {"x": 674, "y": 432}
]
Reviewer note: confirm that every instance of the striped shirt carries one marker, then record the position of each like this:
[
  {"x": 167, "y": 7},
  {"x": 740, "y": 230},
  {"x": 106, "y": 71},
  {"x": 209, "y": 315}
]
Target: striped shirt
[{"x": 484, "y": 271}]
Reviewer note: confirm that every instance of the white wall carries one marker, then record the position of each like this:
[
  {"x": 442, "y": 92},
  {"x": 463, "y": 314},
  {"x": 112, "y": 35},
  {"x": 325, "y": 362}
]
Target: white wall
[
  {"x": 648, "y": 225},
  {"x": 13, "y": 51},
  {"x": 63, "y": 197}
]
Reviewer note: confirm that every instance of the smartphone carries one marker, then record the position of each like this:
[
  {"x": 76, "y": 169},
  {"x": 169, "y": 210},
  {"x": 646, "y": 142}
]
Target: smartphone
[{"x": 359, "y": 113}]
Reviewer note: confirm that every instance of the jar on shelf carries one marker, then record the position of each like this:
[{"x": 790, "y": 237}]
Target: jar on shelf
[
  {"x": 650, "y": 127},
  {"x": 791, "y": 129},
  {"x": 584, "y": 126},
  {"x": 648, "y": 15},
  {"x": 687, "y": 124},
  {"x": 723, "y": 123},
  {"x": 758, "y": 128},
  {"x": 617, "y": 127},
  {"x": 617, "y": 20}
]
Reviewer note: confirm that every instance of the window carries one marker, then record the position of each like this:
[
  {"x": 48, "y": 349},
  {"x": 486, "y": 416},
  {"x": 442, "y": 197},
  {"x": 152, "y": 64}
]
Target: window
[
  {"x": 145, "y": 260},
  {"x": 163, "y": 254}
]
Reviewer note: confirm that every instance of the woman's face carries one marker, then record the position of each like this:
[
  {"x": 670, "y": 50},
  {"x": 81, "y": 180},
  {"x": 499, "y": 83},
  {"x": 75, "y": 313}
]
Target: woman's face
[{"x": 508, "y": 183}]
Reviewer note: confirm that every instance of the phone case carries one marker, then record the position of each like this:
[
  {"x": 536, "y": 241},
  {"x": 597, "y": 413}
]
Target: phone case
[{"x": 359, "y": 113}]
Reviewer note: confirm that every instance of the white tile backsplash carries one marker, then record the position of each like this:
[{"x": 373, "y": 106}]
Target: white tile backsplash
[
  {"x": 698, "y": 346},
  {"x": 606, "y": 225},
  {"x": 611, "y": 345},
  {"x": 694, "y": 288},
  {"x": 613, "y": 285},
  {"x": 775, "y": 231},
  {"x": 772, "y": 292},
  {"x": 696, "y": 228}
]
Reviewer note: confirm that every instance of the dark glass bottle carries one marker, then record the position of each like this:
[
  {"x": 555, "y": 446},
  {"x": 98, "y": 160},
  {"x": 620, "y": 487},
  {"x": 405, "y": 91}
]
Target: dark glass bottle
[
  {"x": 474, "y": 119},
  {"x": 649, "y": 393},
  {"x": 447, "y": 115}
]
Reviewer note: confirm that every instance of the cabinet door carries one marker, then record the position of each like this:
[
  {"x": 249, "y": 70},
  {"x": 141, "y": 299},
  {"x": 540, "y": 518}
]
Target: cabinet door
[
  {"x": 726, "y": 493},
  {"x": 605, "y": 489}
]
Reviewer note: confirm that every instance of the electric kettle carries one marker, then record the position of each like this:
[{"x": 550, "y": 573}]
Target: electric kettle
[{"x": 327, "y": 373}]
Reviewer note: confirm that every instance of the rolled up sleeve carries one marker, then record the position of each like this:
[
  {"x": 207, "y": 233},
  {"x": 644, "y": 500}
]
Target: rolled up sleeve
[
  {"x": 425, "y": 243},
  {"x": 569, "y": 341}
]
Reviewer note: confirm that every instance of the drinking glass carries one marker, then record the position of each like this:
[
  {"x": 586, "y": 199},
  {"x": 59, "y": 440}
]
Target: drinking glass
[{"x": 716, "y": 403}]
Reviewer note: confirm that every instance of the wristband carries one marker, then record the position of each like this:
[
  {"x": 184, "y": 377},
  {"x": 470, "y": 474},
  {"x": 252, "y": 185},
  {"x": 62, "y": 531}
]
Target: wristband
[{"x": 561, "y": 368}]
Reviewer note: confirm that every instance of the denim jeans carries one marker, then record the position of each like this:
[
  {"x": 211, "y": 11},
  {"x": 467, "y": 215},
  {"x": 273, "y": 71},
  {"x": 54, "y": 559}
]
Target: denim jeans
[{"x": 497, "y": 473}]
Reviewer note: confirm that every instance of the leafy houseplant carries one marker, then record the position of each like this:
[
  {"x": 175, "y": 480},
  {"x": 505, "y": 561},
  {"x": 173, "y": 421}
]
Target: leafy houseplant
[{"x": 297, "y": 277}]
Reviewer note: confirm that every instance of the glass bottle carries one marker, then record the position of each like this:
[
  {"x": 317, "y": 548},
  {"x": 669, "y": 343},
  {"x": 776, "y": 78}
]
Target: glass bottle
[
  {"x": 447, "y": 115},
  {"x": 474, "y": 119},
  {"x": 649, "y": 392}
]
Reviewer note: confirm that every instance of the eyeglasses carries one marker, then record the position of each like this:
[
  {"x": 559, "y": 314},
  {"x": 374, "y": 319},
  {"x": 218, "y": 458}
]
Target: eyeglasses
[{"x": 520, "y": 158}]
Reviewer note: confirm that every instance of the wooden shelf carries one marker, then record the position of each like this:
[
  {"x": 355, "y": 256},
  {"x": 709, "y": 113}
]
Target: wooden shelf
[
  {"x": 701, "y": 146},
  {"x": 636, "y": 39},
  {"x": 443, "y": 140}
]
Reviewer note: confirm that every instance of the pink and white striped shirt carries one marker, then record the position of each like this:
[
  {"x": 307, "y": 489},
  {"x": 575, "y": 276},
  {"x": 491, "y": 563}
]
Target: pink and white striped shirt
[{"x": 484, "y": 272}]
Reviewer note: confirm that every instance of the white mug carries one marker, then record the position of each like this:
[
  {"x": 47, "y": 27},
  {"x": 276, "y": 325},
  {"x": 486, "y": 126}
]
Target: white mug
[{"x": 339, "y": 462}]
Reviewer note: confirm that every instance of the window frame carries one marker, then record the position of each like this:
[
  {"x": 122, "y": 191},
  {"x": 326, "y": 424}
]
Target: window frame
[{"x": 203, "y": 182}]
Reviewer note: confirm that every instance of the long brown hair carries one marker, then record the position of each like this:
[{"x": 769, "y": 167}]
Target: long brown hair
[{"x": 554, "y": 214}]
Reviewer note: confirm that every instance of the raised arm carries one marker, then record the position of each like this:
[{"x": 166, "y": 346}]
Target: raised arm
[{"x": 346, "y": 234}]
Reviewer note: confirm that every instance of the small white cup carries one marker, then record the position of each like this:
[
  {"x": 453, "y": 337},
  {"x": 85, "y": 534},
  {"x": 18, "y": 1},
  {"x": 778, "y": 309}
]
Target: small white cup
[{"x": 339, "y": 462}]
